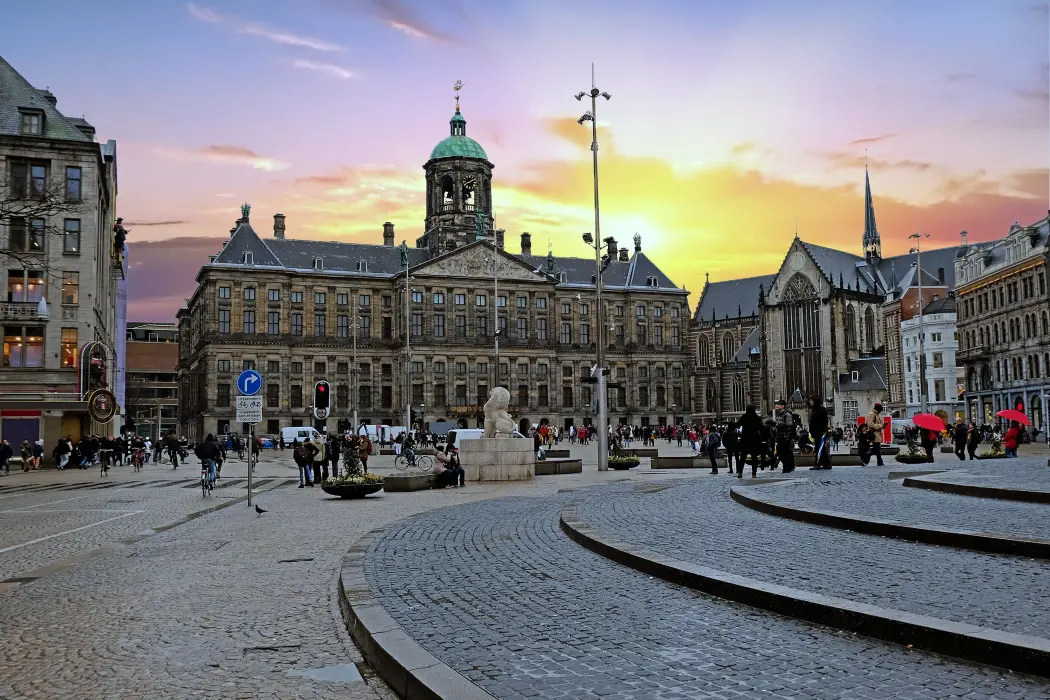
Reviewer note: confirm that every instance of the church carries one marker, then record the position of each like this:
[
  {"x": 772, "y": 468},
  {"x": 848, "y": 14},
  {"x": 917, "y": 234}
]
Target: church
[{"x": 826, "y": 324}]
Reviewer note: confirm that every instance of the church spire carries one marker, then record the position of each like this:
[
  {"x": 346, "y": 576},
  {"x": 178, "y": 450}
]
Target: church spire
[{"x": 872, "y": 244}]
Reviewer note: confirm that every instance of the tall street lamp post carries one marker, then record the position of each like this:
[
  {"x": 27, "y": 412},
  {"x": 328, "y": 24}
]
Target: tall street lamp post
[
  {"x": 408, "y": 342},
  {"x": 603, "y": 428},
  {"x": 922, "y": 334}
]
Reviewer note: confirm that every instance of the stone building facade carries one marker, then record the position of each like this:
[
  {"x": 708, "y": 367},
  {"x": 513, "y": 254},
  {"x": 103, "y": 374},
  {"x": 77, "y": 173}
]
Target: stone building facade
[
  {"x": 726, "y": 341},
  {"x": 152, "y": 387},
  {"x": 427, "y": 345},
  {"x": 1003, "y": 311},
  {"x": 58, "y": 189},
  {"x": 941, "y": 374}
]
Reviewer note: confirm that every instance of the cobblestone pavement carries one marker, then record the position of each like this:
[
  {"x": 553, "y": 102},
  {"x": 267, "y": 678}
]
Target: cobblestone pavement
[
  {"x": 1022, "y": 473},
  {"x": 698, "y": 522},
  {"x": 498, "y": 592},
  {"x": 223, "y": 606},
  {"x": 869, "y": 493}
]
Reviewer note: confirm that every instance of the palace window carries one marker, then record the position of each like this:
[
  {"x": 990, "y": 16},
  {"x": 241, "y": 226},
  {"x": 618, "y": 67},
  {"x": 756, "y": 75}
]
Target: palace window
[
  {"x": 297, "y": 323},
  {"x": 273, "y": 322},
  {"x": 249, "y": 321},
  {"x": 224, "y": 321},
  {"x": 273, "y": 294}
]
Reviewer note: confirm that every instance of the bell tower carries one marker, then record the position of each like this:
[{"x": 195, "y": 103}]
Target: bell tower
[{"x": 459, "y": 189}]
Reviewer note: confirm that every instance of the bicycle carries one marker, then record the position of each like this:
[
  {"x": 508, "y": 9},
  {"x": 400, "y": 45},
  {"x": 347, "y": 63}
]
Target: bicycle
[
  {"x": 206, "y": 485},
  {"x": 423, "y": 463}
]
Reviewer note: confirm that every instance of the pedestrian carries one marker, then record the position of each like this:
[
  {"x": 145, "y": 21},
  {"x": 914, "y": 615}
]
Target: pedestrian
[
  {"x": 6, "y": 452},
  {"x": 752, "y": 442},
  {"x": 26, "y": 453},
  {"x": 731, "y": 441},
  {"x": 301, "y": 455},
  {"x": 318, "y": 459},
  {"x": 959, "y": 435},
  {"x": 714, "y": 440},
  {"x": 928, "y": 440},
  {"x": 875, "y": 426},
  {"x": 784, "y": 423},
  {"x": 818, "y": 430},
  {"x": 973, "y": 439},
  {"x": 364, "y": 448},
  {"x": 38, "y": 453},
  {"x": 61, "y": 453},
  {"x": 1011, "y": 438}
]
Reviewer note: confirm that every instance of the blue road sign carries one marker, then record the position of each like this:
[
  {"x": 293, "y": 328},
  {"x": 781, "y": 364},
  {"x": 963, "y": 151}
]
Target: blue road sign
[{"x": 249, "y": 382}]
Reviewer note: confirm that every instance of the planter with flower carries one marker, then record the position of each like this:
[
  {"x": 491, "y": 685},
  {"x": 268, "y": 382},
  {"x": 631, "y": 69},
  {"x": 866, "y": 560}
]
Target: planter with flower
[
  {"x": 995, "y": 450},
  {"x": 914, "y": 455},
  {"x": 620, "y": 460},
  {"x": 355, "y": 483}
]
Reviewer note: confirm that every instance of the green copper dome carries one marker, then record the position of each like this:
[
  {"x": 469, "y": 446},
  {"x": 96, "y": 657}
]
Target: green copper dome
[{"x": 458, "y": 144}]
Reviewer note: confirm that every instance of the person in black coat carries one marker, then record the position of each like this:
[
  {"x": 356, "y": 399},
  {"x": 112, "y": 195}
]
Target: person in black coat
[
  {"x": 818, "y": 429},
  {"x": 959, "y": 435},
  {"x": 731, "y": 441},
  {"x": 752, "y": 441}
]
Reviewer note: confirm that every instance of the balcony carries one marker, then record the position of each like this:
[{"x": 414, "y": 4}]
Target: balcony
[
  {"x": 20, "y": 311},
  {"x": 976, "y": 352}
]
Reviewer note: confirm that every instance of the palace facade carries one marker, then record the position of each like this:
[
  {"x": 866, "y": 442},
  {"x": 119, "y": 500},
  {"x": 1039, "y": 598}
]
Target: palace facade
[{"x": 427, "y": 331}]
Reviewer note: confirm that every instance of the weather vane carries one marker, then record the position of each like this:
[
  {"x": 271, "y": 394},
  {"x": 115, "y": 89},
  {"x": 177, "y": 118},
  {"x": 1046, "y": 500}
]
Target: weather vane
[{"x": 457, "y": 87}]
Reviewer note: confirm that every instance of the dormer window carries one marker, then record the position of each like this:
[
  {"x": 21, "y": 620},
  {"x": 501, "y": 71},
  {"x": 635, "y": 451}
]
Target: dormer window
[
  {"x": 318, "y": 263},
  {"x": 32, "y": 122},
  {"x": 854, "y": 376},
  {"x": 652, "y": 281},
  {"x": 362, "y": 266},
  {"x": 249, "y": 259},
  {"x": 563, "y": 277}
]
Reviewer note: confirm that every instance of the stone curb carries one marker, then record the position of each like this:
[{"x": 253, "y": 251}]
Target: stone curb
[
  {"x": 409, "y": 669},
  {"x": 89, "y": 554},
  {"x": 1006, "y": 494},
  {"x": 988, "y": 646},
  {"x": 945, "y": 537}
]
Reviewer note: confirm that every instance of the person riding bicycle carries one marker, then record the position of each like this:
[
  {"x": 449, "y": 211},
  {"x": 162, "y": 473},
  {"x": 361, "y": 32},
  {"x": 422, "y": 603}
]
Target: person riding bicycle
[
  {"x": 138, "y": 450},
  {"x": 208, "y": 453},
  {"x": 407, "y": 451}
]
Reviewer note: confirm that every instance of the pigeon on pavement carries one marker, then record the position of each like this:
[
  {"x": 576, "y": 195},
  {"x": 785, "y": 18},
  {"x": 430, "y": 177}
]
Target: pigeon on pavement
[{"x": 259, "y": 511}]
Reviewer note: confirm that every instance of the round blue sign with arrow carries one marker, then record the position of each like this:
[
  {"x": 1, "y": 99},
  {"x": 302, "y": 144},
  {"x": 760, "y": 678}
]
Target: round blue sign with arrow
[{"x": 249, "y": 382}]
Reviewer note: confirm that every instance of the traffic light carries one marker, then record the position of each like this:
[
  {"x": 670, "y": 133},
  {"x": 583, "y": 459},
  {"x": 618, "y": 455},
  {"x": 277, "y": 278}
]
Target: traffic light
[{"x": 322, "y": 399}]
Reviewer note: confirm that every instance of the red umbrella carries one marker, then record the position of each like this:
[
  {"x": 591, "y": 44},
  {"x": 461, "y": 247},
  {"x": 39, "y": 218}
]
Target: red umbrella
[
  {"x": 1011, "y": 414},
  {"x": 928, "y": 421}
]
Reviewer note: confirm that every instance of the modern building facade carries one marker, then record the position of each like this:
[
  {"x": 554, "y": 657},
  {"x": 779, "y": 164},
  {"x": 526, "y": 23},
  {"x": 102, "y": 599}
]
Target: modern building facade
[
  {"x": 399, "y": 330},
  {"x": 58, "y": 189},
  {"x": 1004, "y": 323},
  {"x": 943, "y": 377},
  {"x": 152, "y": 385}
]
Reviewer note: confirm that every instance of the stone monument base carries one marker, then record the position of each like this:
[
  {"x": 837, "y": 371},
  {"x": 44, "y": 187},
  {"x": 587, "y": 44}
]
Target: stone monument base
[{"x": 497, "y": 459}]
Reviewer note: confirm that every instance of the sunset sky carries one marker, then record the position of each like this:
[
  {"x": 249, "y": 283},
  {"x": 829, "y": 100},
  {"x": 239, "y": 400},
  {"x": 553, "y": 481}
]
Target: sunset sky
[{"x": 729, "y": 123}]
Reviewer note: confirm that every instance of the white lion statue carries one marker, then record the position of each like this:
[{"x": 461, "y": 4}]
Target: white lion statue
[{"x": 497, "y": 420}]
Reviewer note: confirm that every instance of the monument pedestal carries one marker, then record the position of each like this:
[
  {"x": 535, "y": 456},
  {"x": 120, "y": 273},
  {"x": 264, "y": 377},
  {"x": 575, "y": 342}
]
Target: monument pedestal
[{"x": 497, "y": 459}]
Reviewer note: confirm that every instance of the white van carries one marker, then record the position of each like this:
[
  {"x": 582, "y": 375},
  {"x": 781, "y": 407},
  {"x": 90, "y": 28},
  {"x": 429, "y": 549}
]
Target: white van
[
  {"x": 457, "y": 436},
  {"x": 301, "y": 433}
]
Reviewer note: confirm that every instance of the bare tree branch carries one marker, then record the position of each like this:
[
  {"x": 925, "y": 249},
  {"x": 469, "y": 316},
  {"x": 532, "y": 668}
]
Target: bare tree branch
[{"x": 21, "y": 202}]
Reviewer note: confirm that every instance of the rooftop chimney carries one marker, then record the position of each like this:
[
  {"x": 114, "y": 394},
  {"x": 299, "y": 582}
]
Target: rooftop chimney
[
  {"x": 625, "y": 255},
  {"x": 526, "y": 243},
  {"x": 611, "y": 245},
  {"x": 499, "y": 238},
  {"x": 638, "y": 243},
  {"x": 388, "y": 233},
  {"x": 963, "y": 238},
  {"x": 278, "y": 226},
  {"x": 49, "y": 96}
]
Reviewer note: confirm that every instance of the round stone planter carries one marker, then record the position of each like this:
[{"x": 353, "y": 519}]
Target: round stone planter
[
  {"x": 905, "y": 458},
  {"x": 624, "y": 464},
  {"x": 351, "y": 490}
]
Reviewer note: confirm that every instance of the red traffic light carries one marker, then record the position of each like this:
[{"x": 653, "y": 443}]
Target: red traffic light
[{"x": 320, "y": 388}]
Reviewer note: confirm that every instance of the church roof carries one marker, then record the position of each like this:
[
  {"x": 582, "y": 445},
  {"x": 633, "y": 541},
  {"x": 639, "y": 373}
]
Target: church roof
[
  {"x": 16, "y": 93},
  {"x": 731, "y": 297}
]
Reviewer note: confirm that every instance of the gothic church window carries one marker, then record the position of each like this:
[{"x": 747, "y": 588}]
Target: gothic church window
[
  {"x": 869, "y": 328},
  {"x": 738, "y": 393},
  {"x": 851, "y": 328},
  {"x": 727, "y": 347}
]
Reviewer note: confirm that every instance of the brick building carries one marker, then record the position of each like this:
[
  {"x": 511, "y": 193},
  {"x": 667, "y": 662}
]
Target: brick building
[{"x": 152, "y": 378}]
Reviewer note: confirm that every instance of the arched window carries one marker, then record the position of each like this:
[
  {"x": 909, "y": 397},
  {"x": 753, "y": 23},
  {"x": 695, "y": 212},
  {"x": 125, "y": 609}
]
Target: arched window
[
  {"x": 1002, "y": 327},
  {"x": 739, "y": 395},
  {"x": 851, "y": 328},
  {"x": 869, "y": 329},
  {"x": 801, "y": 336},
  {"x": 1046, "y": 324},
  {"x": 986, "y": 377},
  {"x": 996, "y": 335},
  {"x": 710, "y": 396},
  {"x": 711, "y": 348},
  {"x": 728, "y": 348},
  {"x": 971, "y": 380},
  {"x": 701, "y": 352}
]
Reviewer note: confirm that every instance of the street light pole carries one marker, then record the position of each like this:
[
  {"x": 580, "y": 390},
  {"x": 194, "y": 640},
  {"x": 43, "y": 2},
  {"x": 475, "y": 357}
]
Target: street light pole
[
  {"x": 603, "y": 428},
  {"x": 408, "y": 345},
  {"x": 923, "y": 408},
  {"x": 355, "y": 379}
]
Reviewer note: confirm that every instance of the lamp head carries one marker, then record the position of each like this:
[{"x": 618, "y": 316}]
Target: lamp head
[
  {"x": 607, "y": 96},
  {"x": 579, "y": 96},
  {"x": 588, "y": 238},
  {"x": 587, "y": 116}
]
